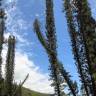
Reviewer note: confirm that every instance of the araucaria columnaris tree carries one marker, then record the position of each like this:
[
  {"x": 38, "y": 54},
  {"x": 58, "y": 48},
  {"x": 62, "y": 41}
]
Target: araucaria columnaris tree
[
  {"x": 88, "y": 34},
  {"x": 75, "y": 44},
  {"x": 9, "y": 75},
  {"x": 49, "y": 43},
  {"x": 2, "y": 27},
  {"x": 83, "y": 36}
]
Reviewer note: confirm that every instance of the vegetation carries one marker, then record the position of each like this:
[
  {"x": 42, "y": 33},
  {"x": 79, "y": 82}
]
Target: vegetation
[
  {"x": 27, "y": 92},
  {"x": 58, "y": 73},
  {"x": 82, "y": 31},
  {"x": 7, "y": 86}
]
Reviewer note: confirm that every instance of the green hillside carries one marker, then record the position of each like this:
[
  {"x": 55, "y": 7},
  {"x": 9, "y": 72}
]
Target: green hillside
[{"x": 27, "y": 92}]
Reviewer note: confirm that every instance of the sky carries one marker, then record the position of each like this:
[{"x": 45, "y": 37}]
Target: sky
[{"x": 30, "y": 55}]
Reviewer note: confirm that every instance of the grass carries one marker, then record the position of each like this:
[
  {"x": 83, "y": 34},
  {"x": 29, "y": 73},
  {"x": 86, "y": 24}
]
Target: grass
[{"x": 27, "y": 92}]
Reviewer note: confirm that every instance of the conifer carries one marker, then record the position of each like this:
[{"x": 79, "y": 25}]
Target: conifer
[
  {"x": 50, "y": 45},
  {"x": 82, "y": 32},
  {"x": 74, "y": 35},
  {"x": 88, "y": 35},
  {"x": 2, "y": 27},
  {"x": 9, "y": 75}
]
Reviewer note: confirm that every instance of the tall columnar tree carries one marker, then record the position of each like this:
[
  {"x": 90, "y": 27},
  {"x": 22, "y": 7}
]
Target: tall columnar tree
[
  {"x": 55, "y": 75},
  {"x": 88, "y": 34},
  {"x": 83, "y": 40},
  {"x": 50, "y": 45},
  {"x": 75, "y": 42},
  {"x": 2, "y": 27},
  {"x": 9, "y": 75},
  {"x": 63, "y": 72},
  {"x": 7, "y": 86}
]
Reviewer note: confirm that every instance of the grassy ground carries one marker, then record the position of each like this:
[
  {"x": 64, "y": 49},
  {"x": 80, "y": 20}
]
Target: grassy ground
[{"x": 27, "y": 92}]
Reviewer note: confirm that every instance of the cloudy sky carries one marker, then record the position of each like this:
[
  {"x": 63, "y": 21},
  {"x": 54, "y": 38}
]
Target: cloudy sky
[{"x": 30, "y": 56}]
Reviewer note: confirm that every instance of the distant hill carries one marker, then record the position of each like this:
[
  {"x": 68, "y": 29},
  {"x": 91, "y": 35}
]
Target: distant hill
[{"x": 27, "y": 92}]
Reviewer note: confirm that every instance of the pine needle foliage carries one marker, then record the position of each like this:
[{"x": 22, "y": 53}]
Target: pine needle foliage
[
  {"x": 9, "y": 77},
  {"x": 82, "y": 27},
  {"x": 75, "y": 39},
  {"x": 7, "y": 86},
  {"x": 2, "y": 27},
  {"x": 49, "y": 42}
]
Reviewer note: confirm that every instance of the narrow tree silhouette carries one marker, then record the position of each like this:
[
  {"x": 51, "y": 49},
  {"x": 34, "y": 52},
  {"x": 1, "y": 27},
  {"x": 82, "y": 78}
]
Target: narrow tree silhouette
[
  {"x": 2, "y": 27},
  {"x": 50, "y": 45},
  {"x": 7, "y": 86},
  {"x": 75, "y": 45},
  {"x": 9, "y": 77},
  {"x": 82, "y": 32},
  {"x": 87, "y": 25}
]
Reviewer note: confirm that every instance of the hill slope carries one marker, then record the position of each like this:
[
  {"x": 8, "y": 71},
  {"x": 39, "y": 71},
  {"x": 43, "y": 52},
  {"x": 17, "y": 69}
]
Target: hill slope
[{"x": 27, "y": 92}]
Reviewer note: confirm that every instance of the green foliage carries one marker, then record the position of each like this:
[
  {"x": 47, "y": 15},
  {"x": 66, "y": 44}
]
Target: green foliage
[
  {"x": 1, "y": 39},
  {"x": 50, "y": 45},
  {"x": 82, "y": 30},
  {"x": 27, "y": 92},
  {"x": 81, "y": 27},
  {"x": 7, "y": 86},
  {"x": 2, "y": 27},
  {"x": 10, "y": 65},
  {"x": 58, "y": 73},
  {"x": 87, "y": 33},
  {"x": 74, "y": 35}
]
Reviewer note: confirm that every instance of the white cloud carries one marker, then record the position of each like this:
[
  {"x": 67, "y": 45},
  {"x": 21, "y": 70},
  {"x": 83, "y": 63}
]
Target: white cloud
[
  {"x": 15, "y": 21},
  {"x": 37, "y": 80}
]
